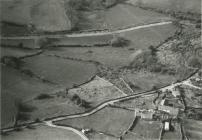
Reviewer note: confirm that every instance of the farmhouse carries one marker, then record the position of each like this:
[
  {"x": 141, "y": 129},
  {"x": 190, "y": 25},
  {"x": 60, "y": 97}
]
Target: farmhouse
[
  {"x": 171, "y": 110},
  {"x": 176, "y": 92},
  {"x": 144, "y": 114},
  {"x": 167, "y": 126}
]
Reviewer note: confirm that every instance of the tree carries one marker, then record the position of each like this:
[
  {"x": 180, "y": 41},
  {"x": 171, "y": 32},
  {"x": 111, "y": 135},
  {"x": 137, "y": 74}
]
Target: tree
[{"x": 153, "y": 50}]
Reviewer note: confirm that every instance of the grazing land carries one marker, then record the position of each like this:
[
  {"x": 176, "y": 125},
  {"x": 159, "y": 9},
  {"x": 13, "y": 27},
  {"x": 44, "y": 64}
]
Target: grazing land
[
  {"x": 42, "y": 132},
  {"x": 193, "y": 129},
  {"x": 17, "y": 52},
  {"x": 18, "y": 86},
  {"x": 108, "y": 120},
  {"x": 145, "y": 130},
  {"x": 96, "y": 91},
  {"x": 60, "y": 71}
]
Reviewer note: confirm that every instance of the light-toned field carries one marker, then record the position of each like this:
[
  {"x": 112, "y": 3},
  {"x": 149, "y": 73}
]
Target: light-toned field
[
  {"x": 175, "y": 5},
  {"x": 144, "y": 130},
  {"x": 42, "y": 132},
  {"x": 17, "y": 86},
  {"x": 108, "y": 120},
  {"x": 17, "y": 52},
  {"x": 61, "y": 71},
  {"x": 193, "y": 129},
  {"x": 96, "y": 91}
]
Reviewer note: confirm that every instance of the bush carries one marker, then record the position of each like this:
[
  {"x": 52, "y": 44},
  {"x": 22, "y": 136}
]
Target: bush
[
  {"x": 12, "y": 61},
  {"x": 119, "y": 42},
  {"x": 43, "y": 96},
  {"x": 194, "y": 62}
]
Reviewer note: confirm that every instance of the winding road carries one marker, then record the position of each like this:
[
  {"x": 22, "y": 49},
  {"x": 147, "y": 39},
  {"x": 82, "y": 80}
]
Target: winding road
[
  {"x": 88, "y": 34},
  {"x": 50, "y": 121}
]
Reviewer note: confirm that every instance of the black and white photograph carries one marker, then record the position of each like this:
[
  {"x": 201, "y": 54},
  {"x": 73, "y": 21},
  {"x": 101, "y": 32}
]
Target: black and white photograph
[{"x": 100, "y": 70}]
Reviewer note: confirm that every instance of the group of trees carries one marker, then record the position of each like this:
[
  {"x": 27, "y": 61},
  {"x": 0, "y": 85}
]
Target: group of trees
[{"x": 75, "y": 98}]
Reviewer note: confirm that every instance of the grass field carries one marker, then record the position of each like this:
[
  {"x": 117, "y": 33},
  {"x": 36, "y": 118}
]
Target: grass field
[
  {"x": 123, "y": 15},
  {"x": 141, "y": 103},
  {"x": 61, "y": 71},
  {"x": 98, "y": 136},
  {"x": 108, "y": 120},
  {"x": 111, "y": 56},
  {"x": 144, "y": 130},
  {"x": 96, "y": 91},
  {"x": 42, "y": 132},
  {"x": 52, "y": 107},
  {"x": 193, "y": 129},
  {"x": 193, "y": 97},
  {"x": 46, "y": 15},
  {"x": 27, "y": 43},
  {"x": 144, "y": 81},
  {"x": 17, "y": 52},
  {"x": 175, "y": 5},
  {"x": 82, "y": 41},
  {"x": 130, "y": 16},
  {"x": 172, "y": 135},
  {"x": 17, "y": 86}
]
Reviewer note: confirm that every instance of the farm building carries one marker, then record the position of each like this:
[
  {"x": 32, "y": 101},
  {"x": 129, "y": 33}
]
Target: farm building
[
  {"x": 144, "y": 114},
  {"x": 167, "y": 126},
  {"x": 171, "y": 110}
]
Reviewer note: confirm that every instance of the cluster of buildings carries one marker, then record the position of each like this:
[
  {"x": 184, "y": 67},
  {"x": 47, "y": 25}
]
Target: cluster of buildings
[{"x": 167, "y": 109}]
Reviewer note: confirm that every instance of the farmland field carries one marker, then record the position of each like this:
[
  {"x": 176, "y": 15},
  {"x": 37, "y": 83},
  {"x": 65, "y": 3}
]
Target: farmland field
[
  {"x": 144, "y": 81},
  {"x": 17, "y": 86},
  {"x": 27, "y": 43},
  {"x": 175, "y": 134},
  {"x": 17, "y": 52},
  {"x": 108, "y": 120},
  {"x": 141, "y": 103},
  {"x": 61, "y": 71},
  {"x": 98, "y": 136},
  {"x": 193, "y": 129},
  {"x": 112, "y": 56},
  {"x": 175, "y": 5},
  {"x": 42, "y": 132},
  {"x": 144, "y": 130},
  {"x": 96, "y": 91},
  {"x": 130, "y": 16}
]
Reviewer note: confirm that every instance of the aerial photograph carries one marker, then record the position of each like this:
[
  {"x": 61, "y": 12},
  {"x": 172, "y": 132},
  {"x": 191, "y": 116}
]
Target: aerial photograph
[{"x": 100, "y": 70}]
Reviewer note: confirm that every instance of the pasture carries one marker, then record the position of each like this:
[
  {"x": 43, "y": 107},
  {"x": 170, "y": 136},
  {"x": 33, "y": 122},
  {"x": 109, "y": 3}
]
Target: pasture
[
  {"x": 108, "y": 120},
  {"x": 42, "y": 132}
]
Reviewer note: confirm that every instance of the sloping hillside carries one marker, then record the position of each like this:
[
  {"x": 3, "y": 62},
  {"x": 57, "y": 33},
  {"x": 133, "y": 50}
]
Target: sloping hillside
[
  {"x": 46, "y": 15},
  {"x": 175, "y": 5}
]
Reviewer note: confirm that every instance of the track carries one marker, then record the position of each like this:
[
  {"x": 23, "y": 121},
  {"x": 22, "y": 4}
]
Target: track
[{"x": 88, "y": 34}]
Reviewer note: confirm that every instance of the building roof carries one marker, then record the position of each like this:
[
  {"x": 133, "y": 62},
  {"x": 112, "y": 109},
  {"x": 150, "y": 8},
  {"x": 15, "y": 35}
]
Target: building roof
[{"x": 171, "y": 110}]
